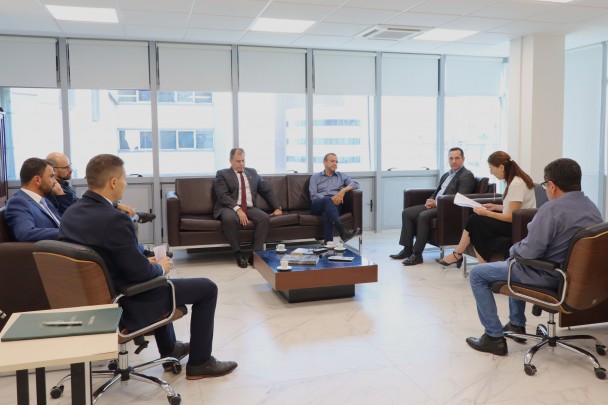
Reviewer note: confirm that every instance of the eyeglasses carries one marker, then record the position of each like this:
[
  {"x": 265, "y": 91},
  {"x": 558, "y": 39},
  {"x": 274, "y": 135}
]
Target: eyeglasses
[
  {"x": 64, "y": 167},
  {"x": 544, "y": 184}
]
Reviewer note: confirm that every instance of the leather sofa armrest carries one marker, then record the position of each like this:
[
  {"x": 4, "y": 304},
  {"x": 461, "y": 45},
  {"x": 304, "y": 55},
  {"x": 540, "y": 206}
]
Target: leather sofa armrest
[
  {"x": 521, "y": 219},
  {"x": 353, "y": 203},
  {"x": 416, "y": 196},
  {"x": 173, "y": 218},
  {"x": 449, "y": 224}
]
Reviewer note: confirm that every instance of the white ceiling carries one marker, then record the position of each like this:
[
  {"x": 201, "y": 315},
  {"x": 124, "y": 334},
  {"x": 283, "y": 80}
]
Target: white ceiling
[{"x": 338, "y": 22}]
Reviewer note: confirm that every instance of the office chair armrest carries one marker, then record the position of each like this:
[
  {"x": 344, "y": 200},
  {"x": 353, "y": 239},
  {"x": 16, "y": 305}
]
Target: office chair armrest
[
  {"x": 145, "y": 286},
  {"x": 538, "y": 264}
]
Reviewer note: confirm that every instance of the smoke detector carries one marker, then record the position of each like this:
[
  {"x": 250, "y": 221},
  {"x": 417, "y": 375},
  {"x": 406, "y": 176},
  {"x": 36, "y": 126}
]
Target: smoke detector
[{"x": 390, "y": 32}]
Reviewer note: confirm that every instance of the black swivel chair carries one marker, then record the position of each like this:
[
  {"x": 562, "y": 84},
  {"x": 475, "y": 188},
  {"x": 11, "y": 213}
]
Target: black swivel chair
[
  {"x": 75, "y": 275},
  {"x": 584, "y": 285}
]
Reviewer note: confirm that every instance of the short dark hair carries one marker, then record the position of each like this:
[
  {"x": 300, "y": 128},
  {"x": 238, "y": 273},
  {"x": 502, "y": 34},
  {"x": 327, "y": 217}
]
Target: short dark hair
[
  {"x": 31, "y": 168},
  {"x": 456, "y": 148},
  {"x": 102, "y": 168},
  {"x": 328, "y": 155},
  {"x": 234, "y": 151},
  {"x": 565, "y": 173}
]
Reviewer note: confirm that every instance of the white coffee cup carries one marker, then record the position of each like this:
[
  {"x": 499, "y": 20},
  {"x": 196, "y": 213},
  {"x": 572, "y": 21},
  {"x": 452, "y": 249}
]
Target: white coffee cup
[
  {"x": 339, "y": 246},
  {"x": 281, "y": 246},
  {"x": 160, "y": 252},
  {"x": 284, "y": 264}
]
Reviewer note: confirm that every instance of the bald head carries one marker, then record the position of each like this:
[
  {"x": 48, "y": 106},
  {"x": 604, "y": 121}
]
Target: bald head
[{"x": 62, "y": 165}]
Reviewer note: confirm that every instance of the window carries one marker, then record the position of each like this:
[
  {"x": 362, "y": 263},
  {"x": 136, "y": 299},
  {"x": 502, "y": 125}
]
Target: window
[
  {"x": 96, "y": 118},
  {"x": 268, "y": 132},
  {"x": 343, "y": 125},
  {"x": 33, "y": 125}
]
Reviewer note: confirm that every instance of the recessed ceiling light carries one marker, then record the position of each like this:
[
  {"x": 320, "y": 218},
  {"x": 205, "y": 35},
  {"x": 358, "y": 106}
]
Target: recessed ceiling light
[
  {"x": 556, "y": 1},
  {"x": 281, "y": 25},
  {"x": 440, "y": 34},
  {"x": 84, "y": 14}
]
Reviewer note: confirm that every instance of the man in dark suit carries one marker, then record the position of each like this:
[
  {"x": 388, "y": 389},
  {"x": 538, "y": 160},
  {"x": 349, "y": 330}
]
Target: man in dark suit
[
  {"x": 93, "y": 221},
  {"x": 29, "y": 214},
  {"x": 236, "y": 189},
  {"x": 416, "y": 220}
]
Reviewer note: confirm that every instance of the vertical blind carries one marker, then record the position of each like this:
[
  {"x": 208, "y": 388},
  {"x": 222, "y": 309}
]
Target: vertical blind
[
  {"x": 194, "y": 67},
  {"x": 28, "y": 62},
  {"x": 410, "y": 75},
  {"x": 272, "y": 70},
  {"x": 350, "y": 73},
  {"x": 108, "y": 64}
]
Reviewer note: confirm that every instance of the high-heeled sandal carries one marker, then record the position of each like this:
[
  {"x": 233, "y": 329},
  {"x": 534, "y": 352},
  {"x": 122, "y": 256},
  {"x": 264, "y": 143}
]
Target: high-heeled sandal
[{"x": 458, "y": 261}]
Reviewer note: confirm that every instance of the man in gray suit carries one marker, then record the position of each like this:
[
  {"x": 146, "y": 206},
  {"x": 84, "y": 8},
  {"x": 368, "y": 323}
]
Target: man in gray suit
[
  {"x": 236, "y": 189},
  {"x": 416, "y": 220}
]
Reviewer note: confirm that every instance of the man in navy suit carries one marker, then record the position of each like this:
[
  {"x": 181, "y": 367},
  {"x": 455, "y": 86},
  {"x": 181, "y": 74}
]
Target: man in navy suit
[
  {"x": 29, "y": 214},
  {"x": 93, "y": 221},
  {"x": 236, "y": 189},
  {"x": 416, "y": 220}
]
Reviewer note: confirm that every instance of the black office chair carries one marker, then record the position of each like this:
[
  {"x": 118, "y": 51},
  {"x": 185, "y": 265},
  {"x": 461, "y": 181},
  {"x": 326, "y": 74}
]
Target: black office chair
[
  {"x": 75, "y": 275},
  {"x": 584, "y": 285}
]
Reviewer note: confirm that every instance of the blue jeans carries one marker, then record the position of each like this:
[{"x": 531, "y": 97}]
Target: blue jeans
[{"x": 482, "y": 277}]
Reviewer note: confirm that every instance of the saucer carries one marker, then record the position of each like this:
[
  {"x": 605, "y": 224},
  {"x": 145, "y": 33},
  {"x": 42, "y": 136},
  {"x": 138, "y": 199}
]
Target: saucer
[
  {"x": 342, "y": 249},
  {"x": 279, "y": 268},
  {"x": 281, "y": 251}
]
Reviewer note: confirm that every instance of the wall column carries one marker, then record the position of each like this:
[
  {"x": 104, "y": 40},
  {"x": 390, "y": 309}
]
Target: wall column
[{"x": 536, "y": 101}]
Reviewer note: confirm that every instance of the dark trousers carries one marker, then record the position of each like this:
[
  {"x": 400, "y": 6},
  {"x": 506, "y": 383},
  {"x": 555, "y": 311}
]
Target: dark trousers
[
  {"x": 416, "y": 221},
  {"x": 330, "y": 216},
  {"x": 231, "y": 227},
  {"x": 202, "y": 294}
]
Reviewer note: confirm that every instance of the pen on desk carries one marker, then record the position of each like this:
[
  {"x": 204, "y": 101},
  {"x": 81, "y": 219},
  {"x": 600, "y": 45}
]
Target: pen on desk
[{"x": 62, "y": 323}]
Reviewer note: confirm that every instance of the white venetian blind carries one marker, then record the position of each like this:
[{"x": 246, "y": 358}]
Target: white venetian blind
[
  {"x": 28, "y": 62},
  {"x": 108, "y": 64},
  {"x": 410, "y": 75},
  {"x": 194, "y": 67},
  {"x": 467, "y": 76},
  {"x": 272, "y": 70},
  {"x": 351, "y": 73}
]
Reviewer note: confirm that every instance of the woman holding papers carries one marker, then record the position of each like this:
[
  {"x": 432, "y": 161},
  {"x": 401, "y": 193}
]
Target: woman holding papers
[{"x": 492, "y": 221}]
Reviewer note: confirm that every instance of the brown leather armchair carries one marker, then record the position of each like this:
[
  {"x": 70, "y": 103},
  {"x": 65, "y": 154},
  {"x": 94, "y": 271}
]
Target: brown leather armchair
[
  {"x": 20, "y": 286},
  {"x": 447, "y": 227}
]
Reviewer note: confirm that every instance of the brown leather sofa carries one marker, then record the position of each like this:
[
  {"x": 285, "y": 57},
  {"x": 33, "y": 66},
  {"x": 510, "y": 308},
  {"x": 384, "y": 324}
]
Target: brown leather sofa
[
  {"x": 190, "y": 220},
  {"x": 447, "y": 227},
  {"x": 20, "y": 285}
]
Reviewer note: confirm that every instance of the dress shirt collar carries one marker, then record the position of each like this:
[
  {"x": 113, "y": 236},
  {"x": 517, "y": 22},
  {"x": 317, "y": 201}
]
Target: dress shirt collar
[{"x": 35, "y": 196}]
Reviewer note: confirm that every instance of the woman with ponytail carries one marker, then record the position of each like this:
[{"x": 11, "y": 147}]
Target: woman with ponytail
[{"x": 491, "y": 221}]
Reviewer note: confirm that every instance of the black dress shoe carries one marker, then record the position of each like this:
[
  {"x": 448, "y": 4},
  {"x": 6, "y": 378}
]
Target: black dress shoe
[
  {"x": 488, "y": 344},
  {"x": 180, "y": 350},
  {"x": 348, "y": 235},
  {"x": 509, "y": 327},
  {"x": 250, "y": 259},
  {"x": 412, "y": 260},
  {"x": 210, "y": 368},
  {"x": 240, "y": 260},
  {"x": 401, "y": 255},
  {"x": 145, "y": 217}
]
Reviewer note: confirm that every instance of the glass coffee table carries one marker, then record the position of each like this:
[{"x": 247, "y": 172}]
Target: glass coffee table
[{"x": 325, "y": 280}]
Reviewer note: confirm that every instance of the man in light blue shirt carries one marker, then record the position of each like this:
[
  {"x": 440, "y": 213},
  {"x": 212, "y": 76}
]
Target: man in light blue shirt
[
  {"x": 327, "y": 191},
  {"x": 549, "y": 234}
]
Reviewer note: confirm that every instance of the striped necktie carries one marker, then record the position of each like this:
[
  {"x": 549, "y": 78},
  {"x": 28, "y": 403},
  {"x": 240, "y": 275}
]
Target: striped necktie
[
  {"x": 243, "y": 194},
  {"x": 46, "y": 209}
]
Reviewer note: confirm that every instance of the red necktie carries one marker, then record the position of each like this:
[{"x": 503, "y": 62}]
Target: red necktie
[{"x": 243, "y": 194}]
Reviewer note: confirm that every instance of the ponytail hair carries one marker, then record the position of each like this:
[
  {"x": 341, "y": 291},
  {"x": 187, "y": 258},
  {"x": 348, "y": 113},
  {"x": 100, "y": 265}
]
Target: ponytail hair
[{"x": 512, "y": 169}]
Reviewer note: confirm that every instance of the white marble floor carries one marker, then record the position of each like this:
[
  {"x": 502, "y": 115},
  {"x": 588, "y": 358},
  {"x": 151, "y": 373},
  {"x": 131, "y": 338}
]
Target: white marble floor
[{"x": 398, "y": 341}]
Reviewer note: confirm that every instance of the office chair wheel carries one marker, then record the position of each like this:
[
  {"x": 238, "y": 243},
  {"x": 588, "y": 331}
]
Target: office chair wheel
[
  {"x": 113, "y": 365},
  {"x": 600, "y": 373},
  {"x": 539, "y": 331},
  {"x": 175, "y": 399},
  {"x": 56, "y": 391},
  {"x": 600, "y": 349},
  {"x": 530, "y": 369}
]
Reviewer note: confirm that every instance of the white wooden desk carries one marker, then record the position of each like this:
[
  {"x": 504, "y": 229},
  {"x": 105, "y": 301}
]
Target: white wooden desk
[{"x": 78, "y": 351}]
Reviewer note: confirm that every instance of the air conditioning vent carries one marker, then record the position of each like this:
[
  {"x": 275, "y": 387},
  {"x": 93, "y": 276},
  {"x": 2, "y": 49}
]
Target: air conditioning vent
[{"x": 390, "y": 32}]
